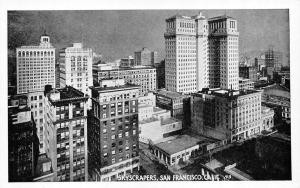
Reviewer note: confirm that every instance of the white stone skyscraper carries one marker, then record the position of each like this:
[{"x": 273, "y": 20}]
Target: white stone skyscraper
[
  {"x": 223, "y": 53},
  {"x": 186, "y": 40},
  {"x": 35, "y": 66},
  {"x": 35, "y": 69},
  {"x": 201, "y": 53},
  {"x": 75, "y": 64}
]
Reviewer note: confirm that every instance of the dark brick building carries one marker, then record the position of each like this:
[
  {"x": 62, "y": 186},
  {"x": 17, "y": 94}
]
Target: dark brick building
[{"x": 113, "y": 130}]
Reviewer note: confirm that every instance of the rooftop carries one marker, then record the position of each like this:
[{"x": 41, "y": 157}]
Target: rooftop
[
  {"x": 143, "y": 105},
  {"x": 120, "y": 87},
  {"x": 149, "y": 120},
  {"x": 226, "y": 92},
  {"x": 157, "y": 109},
  {"x": 170, "y": 94},
  {"x": 276, "y": 87},
  {"x": 133, "y": 68},
  {"x": 178, "y": 144},
  {"x": 169, "y": 121},
  {"x": 67, "y": 93},
  {"x": 220, "y": 18}
]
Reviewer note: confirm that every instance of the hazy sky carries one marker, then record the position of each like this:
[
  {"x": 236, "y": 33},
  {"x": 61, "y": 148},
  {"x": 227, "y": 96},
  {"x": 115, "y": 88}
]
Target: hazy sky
[{"x": 118, "y": 33}]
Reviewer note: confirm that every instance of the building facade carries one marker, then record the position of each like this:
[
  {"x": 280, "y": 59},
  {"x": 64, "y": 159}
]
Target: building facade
[
  {"x": 75, "y": 65},
  {"x": 177, "y": 103},
  {"x": 186, "y": 46},
  {"x": 156, "y": 123},
  {"x": 267, "y": 117},
  {"x": 228, "y": 115},
  {"x": 249, "y": 72},
  {"x": 36, "y": 102},
  {"x": 35, "y": 69},
  {"x": 201, "y": 53},
  {"x": 145, "y": 57},
  {"x": 273, "y": 59},
  {"x": 113, "y": 131},
  {"x": 66, "y": 133},
  {"x": 245, "y": 84},
  {"x": 23, "y": 143},
  {"x": 35, "y": 66},
  {"x": 223, "y": 53},
  {"x": 143, "y": 76}
]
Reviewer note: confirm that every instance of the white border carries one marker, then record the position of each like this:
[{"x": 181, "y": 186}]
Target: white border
[{"x": 292, "y": 5}]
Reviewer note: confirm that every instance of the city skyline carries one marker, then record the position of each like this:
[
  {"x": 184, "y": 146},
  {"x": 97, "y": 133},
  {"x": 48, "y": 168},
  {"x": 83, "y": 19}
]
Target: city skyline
[
  {"x": 217, "y": 115},
  {"x": 115, "y": 34}
]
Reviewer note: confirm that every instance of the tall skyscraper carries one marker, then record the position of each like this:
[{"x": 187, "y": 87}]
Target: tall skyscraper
[
  {"x": 201, "y": 53},
  {"x": 66, "y": 133},
  {"x": 223, "y": 53},
  {"x": 35, "y": 69},
  {"x": 113, "y": 130},
  {"x": 76, "y": 67},
  {"x": 35, "y": 66},
  {"x": 186, "y": 40}
]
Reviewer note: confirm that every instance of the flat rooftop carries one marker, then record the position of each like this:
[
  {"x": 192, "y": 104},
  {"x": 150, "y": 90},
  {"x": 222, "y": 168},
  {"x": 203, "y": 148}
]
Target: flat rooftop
[
  {"x": 170, "y": 94},
  {"x": 227, "y": 92},
  {"x": 120, "y": 87},
  {"x": 129, "y": 68},
  {"x": 143, "y": 105},
  {"x": 178, "y": 144},
  {"x": 149, "y": 120},
  {"x": 169, "y": 121},
  {"x": 157, "y": 109},
  {"x": 70, "y": 92}
]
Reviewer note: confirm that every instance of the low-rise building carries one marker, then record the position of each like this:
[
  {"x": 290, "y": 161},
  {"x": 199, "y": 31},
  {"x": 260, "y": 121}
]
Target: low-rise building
[
  {"x": 177, "y": 103},
  {"x": 249, "y": 72},
  {"x": 156, "y": 123},
  {"x": 267, "y": 118},
  {"x": 172, "y": 151},
  {"x": 149, "y": 98},
  {"x": 277, "y": 97},
  {"x": 43, "y": 170},
  {"x": 245, "y": 83}
]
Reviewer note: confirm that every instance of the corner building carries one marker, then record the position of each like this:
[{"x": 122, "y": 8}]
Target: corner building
[
  {"x": 66, "y": 133},
  {"x": 227, "y": 115},
  {"x": 113, "y": 130}
]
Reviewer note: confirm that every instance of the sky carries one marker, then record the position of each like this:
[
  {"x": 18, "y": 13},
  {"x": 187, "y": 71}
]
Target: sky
[{"x": 118, "y": 33}]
